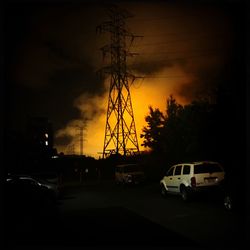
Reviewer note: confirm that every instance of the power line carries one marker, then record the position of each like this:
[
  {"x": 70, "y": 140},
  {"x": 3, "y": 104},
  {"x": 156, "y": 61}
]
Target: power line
[
  {"x": 183, "y": 51},
  {"x": 186, "y": 32},
  {"x": 176, "y": 41},
  {"x": 164, "y": 77},
  {"x": 149, "y": 76},
  {"x": 163, "y": 18},
  {"x": 171, "y": 60}
]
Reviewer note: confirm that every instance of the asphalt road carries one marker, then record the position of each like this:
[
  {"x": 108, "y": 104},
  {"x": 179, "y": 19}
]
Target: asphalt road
[{"x": 101, "y": 214}]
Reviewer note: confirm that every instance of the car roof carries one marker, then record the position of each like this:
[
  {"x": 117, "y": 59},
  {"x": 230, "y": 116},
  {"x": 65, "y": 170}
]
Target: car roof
[
  {"x": 196, "y": 163},
  {"x": 21, "y": 176},
  {"x": 201, "y": 162}
]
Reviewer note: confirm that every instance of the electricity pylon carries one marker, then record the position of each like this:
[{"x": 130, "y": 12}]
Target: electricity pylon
[
  {"x": 120, "y": 132},
  {"x": 80, "y": 128}
]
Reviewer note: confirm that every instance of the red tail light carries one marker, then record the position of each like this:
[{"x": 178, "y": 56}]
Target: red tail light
[{"x": 193, "y": 182}]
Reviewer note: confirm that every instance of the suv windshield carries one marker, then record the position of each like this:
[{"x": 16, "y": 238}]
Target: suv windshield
[{"x": 207, "y": 168}]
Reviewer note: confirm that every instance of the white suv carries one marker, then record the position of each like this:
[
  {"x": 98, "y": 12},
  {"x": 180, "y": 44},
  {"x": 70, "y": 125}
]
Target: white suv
[{"x": 189, "y": 178}]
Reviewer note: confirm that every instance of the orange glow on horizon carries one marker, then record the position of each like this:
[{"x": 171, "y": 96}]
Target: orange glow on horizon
[{"x": 144, "y": 93}]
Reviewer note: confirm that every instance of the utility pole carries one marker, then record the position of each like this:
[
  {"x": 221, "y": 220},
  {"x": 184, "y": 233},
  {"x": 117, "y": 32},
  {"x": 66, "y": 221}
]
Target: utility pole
[{"x": 120, "y": 131}]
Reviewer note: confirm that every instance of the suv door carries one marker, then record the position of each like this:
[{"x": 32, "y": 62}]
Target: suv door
[
  {"x": 168, "y": 179},
  {"x": 177, "y": 178}
]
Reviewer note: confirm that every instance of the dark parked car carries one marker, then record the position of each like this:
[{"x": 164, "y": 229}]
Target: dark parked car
[
  {"x": 49, "y": 188},
  {"x": 129, "y": 174},
  {"x": 22, "y": 198},
  {"x": 24, "y": 195}
]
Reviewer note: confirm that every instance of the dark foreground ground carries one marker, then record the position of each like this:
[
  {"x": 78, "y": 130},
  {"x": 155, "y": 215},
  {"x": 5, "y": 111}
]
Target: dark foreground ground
[{"x": 102, "y": 215}]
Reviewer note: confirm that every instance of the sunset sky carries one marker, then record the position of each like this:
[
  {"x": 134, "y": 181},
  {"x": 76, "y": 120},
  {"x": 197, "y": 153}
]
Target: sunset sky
[{"x": 52, "y": 54}]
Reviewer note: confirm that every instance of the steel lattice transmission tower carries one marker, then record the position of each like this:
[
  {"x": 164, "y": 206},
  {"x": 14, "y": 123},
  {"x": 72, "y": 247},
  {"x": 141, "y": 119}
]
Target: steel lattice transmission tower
[
  {"x": 80, "y": 128},
  {"x": 120, "y": 131}
]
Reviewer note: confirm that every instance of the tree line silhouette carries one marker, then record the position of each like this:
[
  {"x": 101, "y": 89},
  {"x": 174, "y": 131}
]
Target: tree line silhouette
[{"x": 200, "y": 130}]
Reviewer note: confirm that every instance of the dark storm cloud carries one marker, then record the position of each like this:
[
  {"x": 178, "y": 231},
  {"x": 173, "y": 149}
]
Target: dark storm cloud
[
  {"x": 64, "y": 140},
  {"x": 66, "y": 85},
  {"x": 206, "y": 83},
  {"x": 151, "y": 66},
  {"x": 61, "y": 84},
  {"x": 48, "y": 68},
  {"x": 49, "y": 102},
  {"x": 74, "y": 81},
  {"x": 61, "y": 53}
]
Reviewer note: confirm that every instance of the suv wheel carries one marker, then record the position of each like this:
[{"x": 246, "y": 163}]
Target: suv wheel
[
  {"x": 184, "y": 194},
  {"x": 163, "y": 190}
]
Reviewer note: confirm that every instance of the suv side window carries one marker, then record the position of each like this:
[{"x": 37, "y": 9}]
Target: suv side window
[
  {"x": 186, "y": 169},
  {"x": 177, "y": 170},
  {"x": 170, "y": 171}
]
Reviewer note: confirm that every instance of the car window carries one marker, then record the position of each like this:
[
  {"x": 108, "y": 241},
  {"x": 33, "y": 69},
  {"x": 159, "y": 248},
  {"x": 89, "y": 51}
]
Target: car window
[
  {"x": 186, "y": 169},
  {"x": 170, "y": 171},
  {"x": 177, "y": 170},
  {"x": 207, "y": 168}
]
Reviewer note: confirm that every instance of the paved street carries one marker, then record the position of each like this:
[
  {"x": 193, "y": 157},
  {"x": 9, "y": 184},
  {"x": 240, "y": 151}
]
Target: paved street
[
  {"x": 203, "y": 220},
  {"x": 103, "y": 214}
]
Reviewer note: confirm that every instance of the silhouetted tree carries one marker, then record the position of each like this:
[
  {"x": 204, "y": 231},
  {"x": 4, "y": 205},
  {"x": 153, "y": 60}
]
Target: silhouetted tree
[
  {"x": 152, "y": 132},
  {"x": 173, "y": 109},
  {"x": 183, "y": 133},
  {"x": 172, "y": 135},
  {"x": 198, "y": 119}
]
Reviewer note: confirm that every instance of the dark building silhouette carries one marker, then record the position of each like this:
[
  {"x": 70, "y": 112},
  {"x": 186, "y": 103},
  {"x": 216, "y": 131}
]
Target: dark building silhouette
[
  {"x": 40, "y": 136},
  {"x": 31, "y": 149}
]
